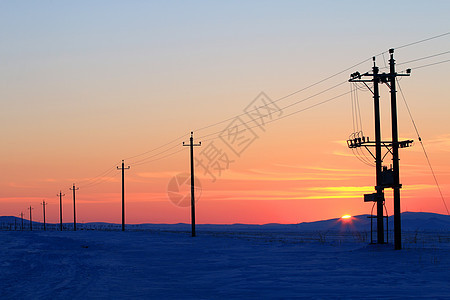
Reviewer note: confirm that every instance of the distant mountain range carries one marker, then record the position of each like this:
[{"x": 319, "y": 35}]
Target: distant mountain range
[{"x": 411, "y": 221}]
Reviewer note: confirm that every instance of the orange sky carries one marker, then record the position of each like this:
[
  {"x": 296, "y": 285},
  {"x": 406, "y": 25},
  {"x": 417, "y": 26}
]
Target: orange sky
[{"x": 83, "y": 89}]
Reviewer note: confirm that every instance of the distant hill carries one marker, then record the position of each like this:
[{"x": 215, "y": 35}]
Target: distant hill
[{"x": 411, "y": 221}]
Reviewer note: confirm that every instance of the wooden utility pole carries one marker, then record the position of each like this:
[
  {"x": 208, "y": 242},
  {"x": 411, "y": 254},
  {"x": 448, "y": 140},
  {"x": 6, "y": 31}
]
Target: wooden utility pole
[
  {"x": 60, "y": 210},
  {"x": 43, "y": 210},
  {"x": 123, "y": 192},
  {"x": 191, "y": 146},
  {"x": 31, "y": 219},
  {"x": 378, "y": 158},
  {"x": 395, "y": 157},
  {"x": 74, "y": 208}
]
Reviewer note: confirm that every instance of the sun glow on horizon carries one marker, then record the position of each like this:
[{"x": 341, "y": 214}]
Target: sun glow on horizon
[{"x": 346, "y": 217}]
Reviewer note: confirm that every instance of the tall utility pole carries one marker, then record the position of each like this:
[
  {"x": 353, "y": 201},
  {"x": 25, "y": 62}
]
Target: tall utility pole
[
  {"x": 192, "y": 145},
  {"x": 31, "y": 219},
  {"x": 43, "y": 210},
  {"x": 378, "y": 197},
  {"x": 74, "y": 212},
  {"x": 395, "y": 158},
  {"x": 378, "y": 159},
  {"x": 60, "y": 209},
  {"x": 386, "y": 178},
  {"x": 123, "y": 192}
]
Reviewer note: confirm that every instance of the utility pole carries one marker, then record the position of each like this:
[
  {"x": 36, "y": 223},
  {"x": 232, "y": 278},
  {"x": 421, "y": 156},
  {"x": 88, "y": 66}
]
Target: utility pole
[
  {"x": 386, "y": 178},
  {"x": 60, "y": 209},
  {"x": 43, "y": 210},
  {"x": 21, "y": 216},
  {"x": 395, "y": 157},
  {"x": 378, "y": 159},
  {"x": 74, "y": 213},
  {"x": 31, "y": 219},
  {"x": 192, "y": 145},
  {"x": 123, "y": 192},
  {"x": 378, "y": 197}
]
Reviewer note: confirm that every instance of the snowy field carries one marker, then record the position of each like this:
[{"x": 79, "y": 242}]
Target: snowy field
[{"x": 220, "y": 264}]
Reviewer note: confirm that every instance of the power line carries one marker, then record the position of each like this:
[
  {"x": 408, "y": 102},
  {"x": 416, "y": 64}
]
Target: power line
[
  {"x": 157, "y": 148},
  {"x": 424, "y": 40},
  {"x": 97, "y": 180},
  {"x": 422, "y": 58},
  {"x": 100, "y": 180},
  {"x": 159, "y": 158},
  {"x": 159, "y": 153},
  {"x": 98, "y": 177},
  {"x": 283, "y": 117},
  {"x": 287, "y": 106},
  {"x": 287, "y": 96},
  {"x": 423, "y": 148},
  {"x": 432, "y": 64}
]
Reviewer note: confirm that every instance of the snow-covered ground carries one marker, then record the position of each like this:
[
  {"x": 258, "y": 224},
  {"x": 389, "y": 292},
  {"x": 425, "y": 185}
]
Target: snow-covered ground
[{"x": 220, "y": 263}]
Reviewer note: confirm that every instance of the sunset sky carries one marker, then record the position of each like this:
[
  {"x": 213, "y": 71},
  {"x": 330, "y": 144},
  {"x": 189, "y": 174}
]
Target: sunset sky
[{"x": 85, "y": 84}]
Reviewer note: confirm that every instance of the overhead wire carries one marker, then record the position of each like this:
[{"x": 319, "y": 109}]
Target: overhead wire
[
  {"x": 432, "y": 64},
  {"x": 287, "y": 96},
  {"x": 154, "y": 155},
  {"x": 424, "y": 40},
  {"x": 423, "y": 148},
  {"x": 282, "y": 108},
  {"x": 159, "y": 158},
  {"x": 282, "y": 117},
  {"x": 156, "y": 148},
  {"x": 145, "y": 160},
  {"x": 284, "y": 97},
  {"x": 100, "y": 180},
  {"x": 422, "y": 58},
  {"x": 88, "y": 180}
]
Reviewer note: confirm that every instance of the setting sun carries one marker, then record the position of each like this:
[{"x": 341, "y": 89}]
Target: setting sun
[{"x": 346, "y": 217}]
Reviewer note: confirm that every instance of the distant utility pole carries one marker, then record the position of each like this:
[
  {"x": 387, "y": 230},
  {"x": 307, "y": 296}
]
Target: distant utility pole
[
  {"x": 191, "y": 146},
  {"x": 21, "y": 216},
  {"x": 43, "y": 210},
  {"x": 31, "y": 219},
  {"x": 60, "y": 195},
  {"x": 74, "y": 213},
  {"x": 123, "y": 192}
]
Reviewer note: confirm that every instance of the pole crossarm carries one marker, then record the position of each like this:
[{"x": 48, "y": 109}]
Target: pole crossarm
[{"x": 358, "y": 142}]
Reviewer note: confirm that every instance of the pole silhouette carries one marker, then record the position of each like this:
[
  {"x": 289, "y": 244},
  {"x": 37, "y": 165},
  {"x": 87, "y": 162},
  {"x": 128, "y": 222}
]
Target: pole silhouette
[
  {"x": 378, "y": 158},
  {"x": 386, "y": 178},
  {"x": 43, "y": 210},
  {"x": 123, "y": 192},
  {"x": 191, "y": 146},
  {"x": 60, "y": 210},
  {"x": 74, "y": 208},
  {"x": 31, "y": 219},
  {"x": 395, "y": 157},
  {"x": 21, "y": 216}
]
